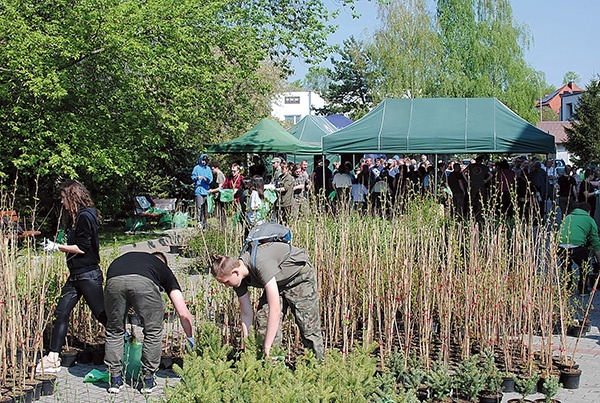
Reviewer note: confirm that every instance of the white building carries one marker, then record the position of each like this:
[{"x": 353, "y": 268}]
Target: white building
[{"x": 293, "y": 106}]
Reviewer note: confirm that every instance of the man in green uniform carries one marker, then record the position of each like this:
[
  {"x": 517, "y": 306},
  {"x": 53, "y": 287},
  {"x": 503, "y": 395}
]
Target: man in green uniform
[
  {"x": 288, "y": 280},
  {"x": 578, "y": 231}
]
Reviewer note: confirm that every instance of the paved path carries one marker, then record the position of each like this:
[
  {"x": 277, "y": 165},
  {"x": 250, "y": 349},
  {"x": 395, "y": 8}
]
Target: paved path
[{"x": 71, "y": 388}]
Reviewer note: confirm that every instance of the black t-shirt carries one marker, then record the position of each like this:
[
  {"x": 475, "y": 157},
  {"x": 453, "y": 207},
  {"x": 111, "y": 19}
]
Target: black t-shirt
[
  {"x": 565, "y": 184},
  {"x": 147, "y": 265},
  {"x": 84, "y": 234}
]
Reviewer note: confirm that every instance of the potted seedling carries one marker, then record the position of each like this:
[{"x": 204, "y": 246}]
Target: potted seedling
[
  {"x": 549, "y": 388},
  {"x": 439, "y": 382},
  {"x": 493, "y": 379},
  {"x": 469, "y": 378},
  {"x": 524, "y": 386}
]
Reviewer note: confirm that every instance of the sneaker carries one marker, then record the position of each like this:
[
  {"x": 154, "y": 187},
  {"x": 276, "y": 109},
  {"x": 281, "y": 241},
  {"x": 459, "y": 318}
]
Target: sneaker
[
  {"x": 48, "y": 366},
  {"x": 149, "y": 385},
  {"x": 116, "y": 384}
]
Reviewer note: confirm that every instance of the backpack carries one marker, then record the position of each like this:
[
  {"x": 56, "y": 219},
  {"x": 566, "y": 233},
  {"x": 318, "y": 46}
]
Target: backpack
[{"x": 266, "y": 233}]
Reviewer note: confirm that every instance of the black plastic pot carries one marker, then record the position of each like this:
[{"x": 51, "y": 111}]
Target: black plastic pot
[
  {"x": 48, "y": 382},
  {"x": 570, "y": 378},
  {"x": 166, "y": 361},
  {"x": 490, "y": 397},
  {"x": 508, "y": 384},
  {"x": 98, "y": 354},
  {"x": 37, "y": 388},
  {"x": 68, "y": 358},
  {"x": 84, "y": 356}
]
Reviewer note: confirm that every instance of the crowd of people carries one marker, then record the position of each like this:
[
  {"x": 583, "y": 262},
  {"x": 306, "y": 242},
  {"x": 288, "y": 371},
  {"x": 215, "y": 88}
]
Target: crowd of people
[{"x": 526, "y": 186}]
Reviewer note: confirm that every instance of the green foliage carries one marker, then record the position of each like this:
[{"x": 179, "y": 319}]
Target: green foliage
[
  {"x": 414, "y": 374},
  {"x": 124, "y": 95},
  {"x": 207, "y": 377},
  {"x": 571, "y": 76},
  {"x": 550, "y": 387},
  {"x": 462, "y": 48},
  {"x": 440, "y": 381},
  {"x": 469, "y": 378},
  {"x": 348, "y": 89},
  {"x": 493, "y": 377},
  {"x": 525, "y": 385},
  {"x": 583, "y": 138}
]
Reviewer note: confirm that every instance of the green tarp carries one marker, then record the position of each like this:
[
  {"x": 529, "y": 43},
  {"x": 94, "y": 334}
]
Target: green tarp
[
  {"x": 441, "y": 126},
  {"x": 312, "y": 128},
  {"x": 266, "y": 137}
]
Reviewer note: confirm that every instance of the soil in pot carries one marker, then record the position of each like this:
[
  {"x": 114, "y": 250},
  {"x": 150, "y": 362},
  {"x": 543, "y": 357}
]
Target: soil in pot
[
  {"x": 570, "y": 378},
  {"x": 6, "y": 399},
  {"x": 48, "y": 382},
  {"x": 68, "y": 357},
  {"x": 489, "y": 397},
  {"x": 542, "y": 400}
]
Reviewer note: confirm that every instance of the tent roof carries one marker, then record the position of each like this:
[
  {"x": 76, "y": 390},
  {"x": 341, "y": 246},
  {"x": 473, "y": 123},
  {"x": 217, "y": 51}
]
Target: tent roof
[
  {"x": 442, "y": 126},
  {"x": 312, "y": 128},
  {"x": 338, "y": 120},
  {"x": 266, "y": 137}
]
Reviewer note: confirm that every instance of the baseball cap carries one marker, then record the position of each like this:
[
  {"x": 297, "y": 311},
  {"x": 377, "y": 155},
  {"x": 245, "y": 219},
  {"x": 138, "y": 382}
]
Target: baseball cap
[{"x": 276, "y": 159}]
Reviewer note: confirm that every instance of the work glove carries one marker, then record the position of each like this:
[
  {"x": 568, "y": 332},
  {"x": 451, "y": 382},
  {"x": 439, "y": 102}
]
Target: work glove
[
  {"x": 49, "y": 246},
  {"x": 191, "y": 344}
]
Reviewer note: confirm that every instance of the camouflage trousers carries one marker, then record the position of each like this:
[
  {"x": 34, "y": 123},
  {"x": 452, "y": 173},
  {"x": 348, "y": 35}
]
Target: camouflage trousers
[{"x": 301, "y": 296}]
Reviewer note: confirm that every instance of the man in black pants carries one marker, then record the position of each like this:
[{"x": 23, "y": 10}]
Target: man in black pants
[{"x": 136, "y": 279}]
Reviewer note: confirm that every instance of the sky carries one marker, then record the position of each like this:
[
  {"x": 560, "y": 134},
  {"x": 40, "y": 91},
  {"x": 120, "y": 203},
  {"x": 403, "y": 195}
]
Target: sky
[{"x": 565, "y": 35}]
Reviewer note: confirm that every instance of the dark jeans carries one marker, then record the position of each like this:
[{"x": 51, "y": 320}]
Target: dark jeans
[
  {"x": 88, "y": 285},
  {"x": 578, "y": 255},
  {"x": 141, "y": 293}
]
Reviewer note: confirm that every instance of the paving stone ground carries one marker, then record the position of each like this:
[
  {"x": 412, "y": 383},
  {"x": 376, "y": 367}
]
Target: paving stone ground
[{"x": 71, "y": 388}]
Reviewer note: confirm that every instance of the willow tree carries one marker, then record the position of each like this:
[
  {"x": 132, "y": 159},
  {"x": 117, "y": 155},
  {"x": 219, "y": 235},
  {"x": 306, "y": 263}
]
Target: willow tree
[
  {"x": 405, "y": 51},
  {"x": 459, "y": 48}
]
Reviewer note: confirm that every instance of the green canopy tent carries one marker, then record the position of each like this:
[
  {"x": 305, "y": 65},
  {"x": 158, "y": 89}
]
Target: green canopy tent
[
  {"x": 267, "y": 136},
  {"x": 311, "y": 129},
  {"x": 440, "y": 126}
]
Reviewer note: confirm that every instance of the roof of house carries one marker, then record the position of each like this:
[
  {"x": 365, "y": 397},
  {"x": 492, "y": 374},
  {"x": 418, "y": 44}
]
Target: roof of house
[
  {"x": 567, "y": 88},
  {"x": 555, "y": 128}
]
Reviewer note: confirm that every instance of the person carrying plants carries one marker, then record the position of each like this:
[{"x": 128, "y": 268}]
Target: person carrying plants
[
  {"x": 578, "y": 232},
  {"x": 202, "y": 177},
  {"x": 82, "y": 251},
  {"x": 136, "y": 279},
  {"x": 288, "y": 280}
]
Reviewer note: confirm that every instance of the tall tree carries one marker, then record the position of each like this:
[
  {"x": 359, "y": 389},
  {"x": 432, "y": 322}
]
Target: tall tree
[
  {"x": 462, "y": 48},
  {"x": 406, "y": 50},
  {"x": 123, "y": 95},
  {"x": 583, "y": 138},
  {"x": 571, "y": 76},
  {"x": 348, "y": 91}
]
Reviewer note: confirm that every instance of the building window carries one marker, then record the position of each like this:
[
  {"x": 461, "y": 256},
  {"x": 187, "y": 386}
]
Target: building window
[
  {"x": 292, "y": 118},
  {"x": 292, "y": 100}
]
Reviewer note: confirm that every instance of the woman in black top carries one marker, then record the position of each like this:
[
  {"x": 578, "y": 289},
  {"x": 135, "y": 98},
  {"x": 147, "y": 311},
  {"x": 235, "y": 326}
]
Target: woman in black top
[{"x": 82, "y": 251}]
